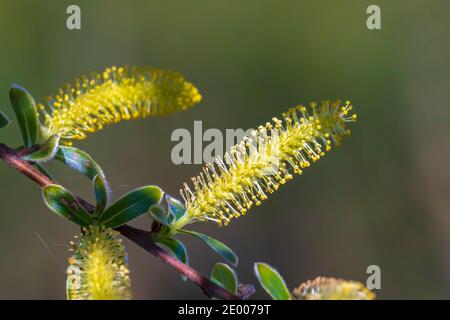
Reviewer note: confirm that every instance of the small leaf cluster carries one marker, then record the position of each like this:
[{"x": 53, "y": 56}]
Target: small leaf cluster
[{"x": 165, "y": 226}]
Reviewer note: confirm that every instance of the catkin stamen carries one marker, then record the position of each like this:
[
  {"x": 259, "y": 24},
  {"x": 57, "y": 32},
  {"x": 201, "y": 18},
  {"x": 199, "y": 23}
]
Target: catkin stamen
[
  {"x": 260, "y": 164},
  {"x": 98, "y": 269},
  {"x": 114, "y": 95}
]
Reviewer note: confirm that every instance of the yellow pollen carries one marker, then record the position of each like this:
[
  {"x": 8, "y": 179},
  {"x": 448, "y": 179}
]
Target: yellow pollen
[
  {"x": 260, "y": 164},
  {"x": 97, "y": 270},
  {"x": 116, "y": 94}
]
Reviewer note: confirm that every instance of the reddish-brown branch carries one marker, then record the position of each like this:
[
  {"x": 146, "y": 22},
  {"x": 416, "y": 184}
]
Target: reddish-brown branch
[
  {"x": 140, "y": 237},
  {"x": 13, "y": 159}
]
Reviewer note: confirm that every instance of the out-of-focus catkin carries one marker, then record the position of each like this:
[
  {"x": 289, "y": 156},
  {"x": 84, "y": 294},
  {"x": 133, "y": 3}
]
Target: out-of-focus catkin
[{"x": 98, "y": 267}]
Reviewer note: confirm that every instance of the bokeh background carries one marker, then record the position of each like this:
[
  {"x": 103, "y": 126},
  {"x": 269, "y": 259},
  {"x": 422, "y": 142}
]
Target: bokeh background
[{"x": 383, "y": 198}]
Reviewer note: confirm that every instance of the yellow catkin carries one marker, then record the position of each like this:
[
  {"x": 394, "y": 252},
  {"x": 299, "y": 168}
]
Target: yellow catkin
[
  {"x": 113, "y": 95},
  {"x": 98, "y": 267},
  {"x": 258, "y": 165},
  {"x": 323, "y": 288}
]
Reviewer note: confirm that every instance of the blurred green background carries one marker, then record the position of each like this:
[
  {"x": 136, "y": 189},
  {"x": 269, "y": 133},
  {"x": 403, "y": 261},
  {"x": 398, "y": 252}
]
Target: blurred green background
[{"x": 383, "y": 198}]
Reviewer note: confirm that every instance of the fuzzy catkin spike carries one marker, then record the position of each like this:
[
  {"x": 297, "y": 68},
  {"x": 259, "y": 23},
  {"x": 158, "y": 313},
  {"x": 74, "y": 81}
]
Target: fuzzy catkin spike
[
  {"x": 257, "y": 166},
  {"x": 113, "y": 95},
  {"x": 98, "y": 267},
  {"x": 323, "y": 288}
]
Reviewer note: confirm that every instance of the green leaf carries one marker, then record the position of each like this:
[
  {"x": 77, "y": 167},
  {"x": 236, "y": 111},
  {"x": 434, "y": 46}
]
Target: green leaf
[
  {"x": 223, "y": 250},
  {"x": 158, "y": 214},
  {"x": 225, "y": 277},
  {"x": 176, "y": 209},
  {"x": 64, "y": 204},
  {"x": 271, "y": 281},
  {"x": 79, "y": 161},
  {"x": 45, "y": 152},
  {"x": 100, "y": 187},
  {"x": 130, "y": 206},
  {"x": 176, "y": 248},
  {"x": 4, "y": 121},
  {"x": 25, "y": 109}
]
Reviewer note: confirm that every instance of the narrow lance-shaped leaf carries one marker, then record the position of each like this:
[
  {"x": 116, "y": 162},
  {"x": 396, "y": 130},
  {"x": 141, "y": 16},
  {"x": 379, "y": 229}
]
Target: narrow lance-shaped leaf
[
  {"x": 176, "y": 248},
  {"x": 79, "y": 161},
  {"x": 45, "y": 152},
  {"x": 176, "y": 209},
  {"x": 158, "y": 214},
  {"x": 25, "y": 109},
  {"x": 4, "y": 121},
  {"x": 130, "y": 206},
  {"x": 64, "y": 204},
  {"x": 223, "y": 250},
  {"x": 100, "y": 187},
  {"x": 271, "y": 281},
  {"x": 225, "y": 277}
]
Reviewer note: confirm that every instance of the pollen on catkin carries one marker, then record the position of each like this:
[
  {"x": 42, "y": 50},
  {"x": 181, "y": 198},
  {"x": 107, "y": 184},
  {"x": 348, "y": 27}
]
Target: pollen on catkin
[
  {"x": 113, "y": 95},
  {"x": 98, "y": 267},
  {"x": 260, "y": 164},
  {"x": 323, "y": 288}
]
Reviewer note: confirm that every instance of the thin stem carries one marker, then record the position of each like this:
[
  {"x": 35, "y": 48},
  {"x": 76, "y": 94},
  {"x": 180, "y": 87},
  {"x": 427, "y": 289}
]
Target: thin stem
[
  {"x": 13, "y": 159},
  {"x": 140, "y": 237}
]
